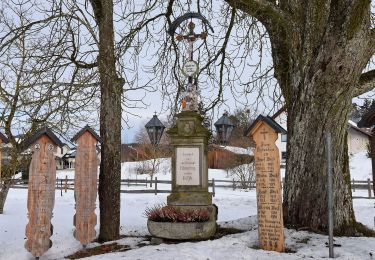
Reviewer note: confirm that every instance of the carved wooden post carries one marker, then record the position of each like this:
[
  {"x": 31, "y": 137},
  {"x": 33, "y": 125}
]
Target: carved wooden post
[
  {"x": 85, "y": 185},
  {"x": 41, "y": 191},
  {"x": 264, "y": 131}
]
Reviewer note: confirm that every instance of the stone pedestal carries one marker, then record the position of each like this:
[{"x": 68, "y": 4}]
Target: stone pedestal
[{"x": 189, "y": 139}]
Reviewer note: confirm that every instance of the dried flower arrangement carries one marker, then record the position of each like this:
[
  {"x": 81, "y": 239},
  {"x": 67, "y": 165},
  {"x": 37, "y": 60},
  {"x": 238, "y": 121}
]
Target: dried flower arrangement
[{"x": 167, "y": 213}]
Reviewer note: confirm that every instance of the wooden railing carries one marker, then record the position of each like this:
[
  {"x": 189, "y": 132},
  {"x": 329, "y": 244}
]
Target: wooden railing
[{"x": 152, "y": 186}]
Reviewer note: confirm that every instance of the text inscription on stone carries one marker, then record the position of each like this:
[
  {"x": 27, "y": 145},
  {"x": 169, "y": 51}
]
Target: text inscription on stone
[
  {"x": 187, "y": 166},
  {"x": 268, "y": 186}
]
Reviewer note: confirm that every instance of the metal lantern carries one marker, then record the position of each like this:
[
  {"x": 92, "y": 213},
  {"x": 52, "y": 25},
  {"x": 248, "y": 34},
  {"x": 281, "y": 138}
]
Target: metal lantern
[
  {"x": 224, "y": 128},
  {"x": 155, "y": 129}
]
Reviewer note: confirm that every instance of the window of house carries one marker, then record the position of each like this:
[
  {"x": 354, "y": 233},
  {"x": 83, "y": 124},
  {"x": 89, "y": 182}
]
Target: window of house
[
  {"x": 283, "y": 156},
  {"x": 284, "y": 137}
]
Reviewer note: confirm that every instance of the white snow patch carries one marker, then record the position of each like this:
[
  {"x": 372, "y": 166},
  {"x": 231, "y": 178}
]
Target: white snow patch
[
  {"x": 360, "y": 166},
  {"x": 238, "y": 150}
]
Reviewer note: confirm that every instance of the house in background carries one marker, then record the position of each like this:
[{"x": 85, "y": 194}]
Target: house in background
[
  {"x": 358, "y": 138},
  {"x": 280, "y": 117},
  {"x": 64, "y": 156}
]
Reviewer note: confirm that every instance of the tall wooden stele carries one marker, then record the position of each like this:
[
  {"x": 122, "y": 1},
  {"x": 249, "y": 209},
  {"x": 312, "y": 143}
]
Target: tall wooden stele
[
  {"x": 41, "y": 191},
  {"x": 264, "y": 132},
  {"x": 85, "y": 185}
]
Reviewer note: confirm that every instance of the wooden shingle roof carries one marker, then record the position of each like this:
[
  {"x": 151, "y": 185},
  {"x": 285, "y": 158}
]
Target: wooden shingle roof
[
  {"x": 83, "y": 130},
  {"x": 42, "y": 131}
]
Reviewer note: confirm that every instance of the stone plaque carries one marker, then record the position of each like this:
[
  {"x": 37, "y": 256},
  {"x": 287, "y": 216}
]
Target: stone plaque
[
  {"x": 268, "y": 188},
  {"x": 187, "y": 166}
]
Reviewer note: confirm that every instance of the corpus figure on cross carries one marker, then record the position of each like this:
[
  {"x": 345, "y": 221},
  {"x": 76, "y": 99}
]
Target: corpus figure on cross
[{"x": 190, "y": 99}]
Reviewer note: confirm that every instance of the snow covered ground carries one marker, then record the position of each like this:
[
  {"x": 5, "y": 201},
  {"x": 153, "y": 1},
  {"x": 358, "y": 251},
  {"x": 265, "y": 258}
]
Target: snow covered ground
[{"x": 236, "y": 209}]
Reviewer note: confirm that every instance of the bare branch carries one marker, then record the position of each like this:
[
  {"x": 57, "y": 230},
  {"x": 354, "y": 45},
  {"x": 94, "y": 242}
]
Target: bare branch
[
  {"x": 366, "y": 83},
  {"x": 267, "y": 12}
]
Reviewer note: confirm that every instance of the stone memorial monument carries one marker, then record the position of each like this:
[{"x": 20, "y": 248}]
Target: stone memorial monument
[
  {"x": 264, "y": 132},
  {"x": 85, "y": 185},
  {"x": 41, "y": 190},
  {"x": 189, "y": 140}
]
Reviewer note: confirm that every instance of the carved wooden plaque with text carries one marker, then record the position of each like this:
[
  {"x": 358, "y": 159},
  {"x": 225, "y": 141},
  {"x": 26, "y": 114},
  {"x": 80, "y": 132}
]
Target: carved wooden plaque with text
[
  {"x": 41, "y": 196},
  {"x": 86, "y": 174},
  {"x": 268, "y": 188}
]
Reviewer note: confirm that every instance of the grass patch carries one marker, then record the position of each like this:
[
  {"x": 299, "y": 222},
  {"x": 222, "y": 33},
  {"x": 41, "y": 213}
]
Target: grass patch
[
  {"x": 102, "y": 249},
  {"x": 287, "y": 249},
  {"x": 304, "y": 240},
  {"x": 221, "y": 231}
]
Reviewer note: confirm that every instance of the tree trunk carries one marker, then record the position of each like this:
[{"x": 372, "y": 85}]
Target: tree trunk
[
  {"x": 110, "y": 124},
  {"x": 372, "y": 148},
  {"x": 4, "y": 189},
  {"x": 305, "y": 190}
]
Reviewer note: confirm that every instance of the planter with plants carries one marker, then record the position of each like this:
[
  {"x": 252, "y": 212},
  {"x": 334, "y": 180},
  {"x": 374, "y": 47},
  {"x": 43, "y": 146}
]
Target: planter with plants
[{"x": 181, "y": 222}]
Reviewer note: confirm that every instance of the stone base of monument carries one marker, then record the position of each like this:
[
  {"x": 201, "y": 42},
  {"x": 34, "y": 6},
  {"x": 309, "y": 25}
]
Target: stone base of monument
[
  {"x": 185, "y": 231},
  {"x": 189, "y": 198}
]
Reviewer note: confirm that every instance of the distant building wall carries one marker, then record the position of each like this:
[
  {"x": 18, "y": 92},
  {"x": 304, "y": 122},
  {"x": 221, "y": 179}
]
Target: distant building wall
[{"x": 357, "y": 141}]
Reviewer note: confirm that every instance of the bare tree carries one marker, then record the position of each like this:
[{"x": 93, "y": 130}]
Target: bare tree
[
  {"x": 245, "y": 174},
  {"x": 320, "y": 50},
  {"x": 34, "y": 87}
]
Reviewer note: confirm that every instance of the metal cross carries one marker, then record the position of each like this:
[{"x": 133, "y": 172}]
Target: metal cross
[{"x": 191, "y": 37}]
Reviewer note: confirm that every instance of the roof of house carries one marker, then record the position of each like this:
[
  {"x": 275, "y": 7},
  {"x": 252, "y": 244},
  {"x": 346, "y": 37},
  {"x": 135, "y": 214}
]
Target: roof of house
[
  {"x": 354, "y": 126},
  {"x": 3, "y": 138},
  {"x": 268, "y": 120},
  {"x": 368, "y": 119},
  {"x": 42, "y": 131},
  {"x": 279, "y": 112},
  {"x": 83, "y": 130},
  {"x": 70, "y": 154}
]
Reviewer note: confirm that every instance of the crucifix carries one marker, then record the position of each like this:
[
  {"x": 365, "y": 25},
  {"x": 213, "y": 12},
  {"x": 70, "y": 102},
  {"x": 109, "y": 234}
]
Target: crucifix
[
  {"x": 190, "y": 68},
  {"x": 191, "y": 37}
]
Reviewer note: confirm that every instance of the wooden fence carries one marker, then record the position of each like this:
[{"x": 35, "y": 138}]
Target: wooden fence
[{"x": 152, "y": 186}]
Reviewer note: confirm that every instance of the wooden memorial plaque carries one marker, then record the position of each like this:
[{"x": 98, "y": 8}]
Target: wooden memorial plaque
[
  {"x": 268, "y": 187},
  {"x": 41, "y": 192},
  {"x": 85, "y": 185}
]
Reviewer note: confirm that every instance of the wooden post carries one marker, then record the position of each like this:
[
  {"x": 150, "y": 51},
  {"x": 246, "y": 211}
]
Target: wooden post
[
  {"x": 268, "y": 184},
  {"x": 156, "y": 185},
  {"x": 85, "y": 185},
  {"x": 369, "y": 187},
  {"x": 66, "y": 183},
  {"x": 61, "y": 187},
  {"x": 213, "y": 187},
  {"x": 146, "y": 182},
  {"x": 234, "y": 185},
  {"x": 41, "y": 191}
]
